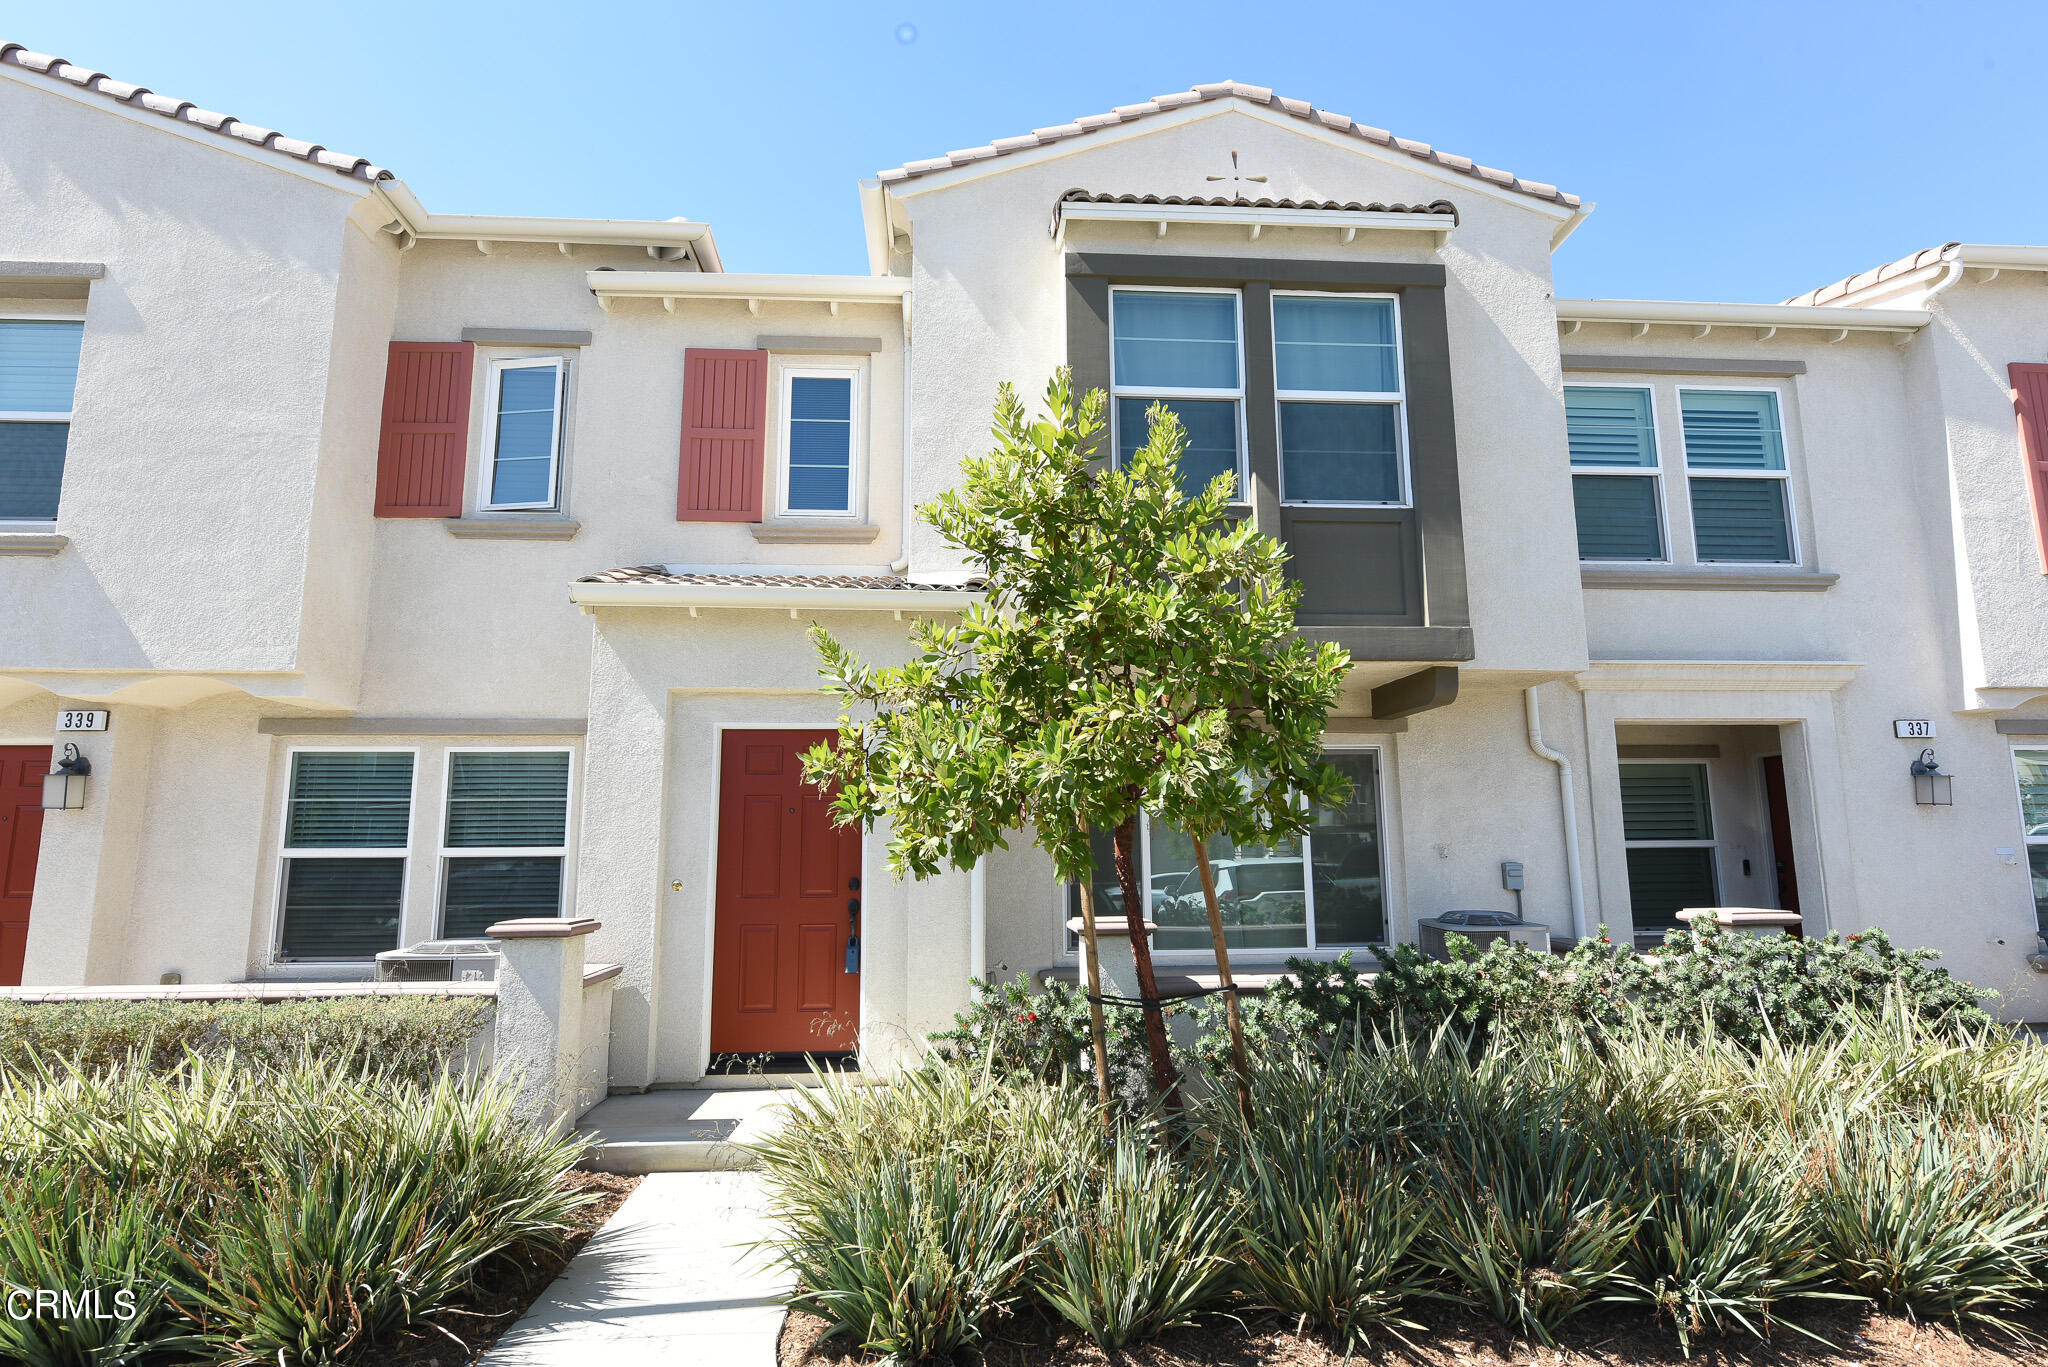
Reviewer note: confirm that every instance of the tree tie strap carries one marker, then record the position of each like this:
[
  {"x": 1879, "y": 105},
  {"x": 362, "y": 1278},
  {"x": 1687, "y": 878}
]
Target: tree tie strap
[{"x": 1145, "y": 1003}]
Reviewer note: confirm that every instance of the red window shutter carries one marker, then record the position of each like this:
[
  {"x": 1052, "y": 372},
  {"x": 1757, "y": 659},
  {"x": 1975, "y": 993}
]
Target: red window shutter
[
  {"x": 425, "y": 443},
  {"x": 2030, "y": 397},
  {"x": 725, "y": 418}
]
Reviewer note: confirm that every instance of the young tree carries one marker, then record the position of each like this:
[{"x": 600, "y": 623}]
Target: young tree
[{"x": 1135, "y": 653}]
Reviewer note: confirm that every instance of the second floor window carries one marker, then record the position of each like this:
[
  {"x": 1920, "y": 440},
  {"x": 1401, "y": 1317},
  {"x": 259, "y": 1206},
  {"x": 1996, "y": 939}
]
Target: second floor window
[
  {"x": 38, "y": 372},
  {"x": 821, "y": 417},
  {"x": 523, "y": 448},
  {"x": 1337, "y": 372},
  {"x": 1182, "y": 348},
  {"x": 1731, "y": 469}
]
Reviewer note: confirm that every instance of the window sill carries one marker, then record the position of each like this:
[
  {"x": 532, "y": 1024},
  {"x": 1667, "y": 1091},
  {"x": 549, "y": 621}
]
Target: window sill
[
  {"x": 32, "y": 543},
  {"x": 510, "y": 529},
  {"x": 1772, "y": 579},
  {"x": 818, "y": 530}
]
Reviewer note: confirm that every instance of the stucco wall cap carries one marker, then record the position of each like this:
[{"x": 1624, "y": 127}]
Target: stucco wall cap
[{"x": 543, "y": 928}]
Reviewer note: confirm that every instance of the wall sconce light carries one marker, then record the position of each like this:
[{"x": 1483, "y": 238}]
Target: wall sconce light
[
  {"x": 1931, "y": 787},
  {"x": 64, "y": 786}
]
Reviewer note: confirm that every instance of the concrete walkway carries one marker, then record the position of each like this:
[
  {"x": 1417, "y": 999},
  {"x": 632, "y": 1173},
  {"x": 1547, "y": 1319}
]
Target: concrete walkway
[
  {"x": 690, "y": 1129},
  {"x": 669, "y": 1280}
]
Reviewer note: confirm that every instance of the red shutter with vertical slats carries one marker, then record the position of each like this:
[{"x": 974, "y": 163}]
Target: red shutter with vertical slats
[
  {"x": 425, "y": 442},
  {"x": 2030, "y": 398},
  {"x": 725, "y": 418}
]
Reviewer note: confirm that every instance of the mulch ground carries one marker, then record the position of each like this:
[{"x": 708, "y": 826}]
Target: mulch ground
[
  {"x": 1454, "y": 1338},
  {"x": 460, "y": 1334}
]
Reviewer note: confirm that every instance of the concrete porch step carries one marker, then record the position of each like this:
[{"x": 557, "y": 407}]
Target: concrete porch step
[{"x": 686, "y": 1129}]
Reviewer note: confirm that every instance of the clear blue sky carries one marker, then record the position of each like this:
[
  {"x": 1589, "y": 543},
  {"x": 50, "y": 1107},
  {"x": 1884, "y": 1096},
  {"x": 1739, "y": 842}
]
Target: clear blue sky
[{"x": 1737, "y": 151}]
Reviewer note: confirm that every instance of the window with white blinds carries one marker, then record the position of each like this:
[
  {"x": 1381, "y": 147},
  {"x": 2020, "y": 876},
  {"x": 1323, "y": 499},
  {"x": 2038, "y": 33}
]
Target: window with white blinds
[
  {"x": 347, "y": 823},
  {"x": 38, "y": 374},
  {"x": 1667, "y": 819},
  {"x": 505, "y": 837}
]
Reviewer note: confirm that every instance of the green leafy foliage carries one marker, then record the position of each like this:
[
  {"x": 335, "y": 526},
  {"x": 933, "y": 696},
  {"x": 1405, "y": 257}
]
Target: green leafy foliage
[
  {"x": 300, "y": 1214},
  {"x": 414, "y": 1038},
  {"x": 1022, "y": 1030}
]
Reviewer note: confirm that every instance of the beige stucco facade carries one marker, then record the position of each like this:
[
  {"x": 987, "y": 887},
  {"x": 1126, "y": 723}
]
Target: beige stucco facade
[{"x": 217, "y": 580}]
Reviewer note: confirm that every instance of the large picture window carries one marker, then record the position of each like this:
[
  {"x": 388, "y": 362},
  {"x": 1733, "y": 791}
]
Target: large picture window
[
  {"x": 1183, "y": 348},
  {"x": 2032, "y": 764},
  {"x": 1326, "y": 890},
  {"x": 1337, "y": 374},
  {"x": 38, "y": 374},
  {"x": 347, "y": 824}
]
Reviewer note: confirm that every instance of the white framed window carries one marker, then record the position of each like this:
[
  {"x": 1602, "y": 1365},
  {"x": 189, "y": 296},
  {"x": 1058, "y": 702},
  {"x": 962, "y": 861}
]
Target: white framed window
[
  {"x": 1617, "y": 474},
  {"x": 1736, "y": 476},
  {"x": 1183, "y": 347},
  {"x": 504, "y": 836},
  {"x": 38, "y": 377},
  {"x": 2030, "y": 765},
  {"x": 344, "y": 846},
  {"x": 818, "y": 474},
  {"x": 522, "y": 463},
  {"x": 1667, "y": 818},
  {"x": 1326, "y": 890},
  {"x": 1338, "y": 380}
]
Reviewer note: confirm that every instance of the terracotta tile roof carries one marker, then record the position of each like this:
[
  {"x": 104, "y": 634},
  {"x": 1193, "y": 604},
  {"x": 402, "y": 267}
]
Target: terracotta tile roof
[
  {"x": 661, "y": 574},
  {"x": 1828, "y": 294},
  {"x": 184, "y": 111},
  {"x": 1226, "y": 90},
  {"x": 1435, "y": 206}
]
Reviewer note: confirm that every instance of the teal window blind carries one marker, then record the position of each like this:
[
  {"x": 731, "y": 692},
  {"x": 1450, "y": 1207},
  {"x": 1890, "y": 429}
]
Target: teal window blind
[
  {"x": 1617, "y": 518},
  {"x": 821, "y": 443},
  {"x": 1610, "y": 427},
  {"x": 1663, "y": 881},
  {"x": 340, "y": 909},
  {"x": 353, "y": 799},
  {"x": 38, "y": 375},
  {"x": 1740, "y": 519},
  {"x": 1335, "y": 346},
  {"x": 1340, "y": 452},
  {"x": 1174, "y": 340},
  {"x": 1731, "y": 430},
  {"x": 1665, "y": 802},
  {"x": 1211, "y": 426},
  {"x": 506, "y": 799}
]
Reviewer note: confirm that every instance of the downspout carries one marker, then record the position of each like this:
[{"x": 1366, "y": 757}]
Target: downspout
[
  {"x": 1568, "y": 794},
  {"x": 977, "y": 919}
]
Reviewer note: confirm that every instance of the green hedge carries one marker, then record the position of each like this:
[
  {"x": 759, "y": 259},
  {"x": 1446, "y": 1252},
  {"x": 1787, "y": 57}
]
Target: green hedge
[{"x": 410, "y": 1037}]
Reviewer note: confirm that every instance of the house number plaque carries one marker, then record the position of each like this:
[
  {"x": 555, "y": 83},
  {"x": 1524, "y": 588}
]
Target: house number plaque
[
  {"x": 71, "y": 720},
  {"x": 1907, "y": 729}
]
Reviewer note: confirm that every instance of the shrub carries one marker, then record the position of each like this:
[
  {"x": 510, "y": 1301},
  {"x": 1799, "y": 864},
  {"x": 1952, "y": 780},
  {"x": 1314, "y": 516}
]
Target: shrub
[
  {"x": 1138, "y": 1249},
  {"x": 412, "y": 1037},
  {"x": 300, "y": 1214},
  {"x": 1021, "y": 1030}
]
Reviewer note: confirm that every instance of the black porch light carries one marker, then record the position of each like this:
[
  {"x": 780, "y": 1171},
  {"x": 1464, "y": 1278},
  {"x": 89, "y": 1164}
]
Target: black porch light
[
  {"x": 64, "y": 786},
  {"x": 1931, "y": 787}
]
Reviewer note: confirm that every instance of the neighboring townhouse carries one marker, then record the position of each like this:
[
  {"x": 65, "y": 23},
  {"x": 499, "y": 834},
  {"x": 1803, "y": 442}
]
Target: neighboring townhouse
[{"x": 417, "y": 571}]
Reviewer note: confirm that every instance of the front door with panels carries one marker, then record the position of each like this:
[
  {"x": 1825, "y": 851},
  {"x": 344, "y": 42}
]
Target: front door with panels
[
  {"x": 21, "y": 836},
  {"x": 785, "y": 962}
]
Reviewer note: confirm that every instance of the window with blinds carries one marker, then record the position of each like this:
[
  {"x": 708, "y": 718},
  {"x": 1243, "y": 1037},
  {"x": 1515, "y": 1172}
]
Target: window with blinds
[
  {"x": 347, "y": 823},
  {"x": 2033, "y": 775},
  {"x": 1337, "y": 376},
  {"x": 1615, "y": 484},
  {"x": 1668, "y": 827},
  {"x": 1181, "y": 348},
  {"x": 505, "y": 838},
  {"x": 1735, "y": 471},
  {"x": 38, "y": 374}
]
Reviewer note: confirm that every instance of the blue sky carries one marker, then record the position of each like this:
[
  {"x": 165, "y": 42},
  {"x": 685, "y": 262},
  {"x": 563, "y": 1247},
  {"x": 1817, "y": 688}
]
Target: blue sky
[{"x": 1737, "y": 151}]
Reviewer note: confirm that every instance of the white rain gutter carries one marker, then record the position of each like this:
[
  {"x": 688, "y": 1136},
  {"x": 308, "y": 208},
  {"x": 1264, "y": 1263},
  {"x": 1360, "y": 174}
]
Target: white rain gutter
[
  {"x": 663, "y": 239},
  {"x": 672, "y": 287},
  {"x": 1568, "y": 794},
  {"x": 977, "y": 920},
  {"x": 1644, "y": 313},
  {"x": 791, "y": 597}
]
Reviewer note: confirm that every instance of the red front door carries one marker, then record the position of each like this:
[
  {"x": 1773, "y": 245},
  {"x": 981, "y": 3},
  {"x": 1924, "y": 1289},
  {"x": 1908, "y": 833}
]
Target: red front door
[
  {"x": 788, "y": 898},
  {"x": 1780, "y": 812},
  {"x": 21, "y": 835}
]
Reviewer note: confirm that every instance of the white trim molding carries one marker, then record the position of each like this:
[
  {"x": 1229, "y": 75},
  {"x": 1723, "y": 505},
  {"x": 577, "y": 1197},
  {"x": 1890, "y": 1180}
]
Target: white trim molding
[
  {"x": 1716, "y": 676},
  {"x": 778, "y": 596},
  {"x": 1704, "y": 317}
]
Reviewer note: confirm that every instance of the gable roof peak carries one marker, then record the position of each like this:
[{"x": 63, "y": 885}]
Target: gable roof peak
[{"x": 1231, "y": 90}]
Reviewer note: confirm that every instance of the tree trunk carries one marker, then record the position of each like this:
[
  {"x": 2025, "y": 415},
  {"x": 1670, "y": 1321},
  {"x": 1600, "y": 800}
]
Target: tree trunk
[
  {"x": 1094, "y": 963},
  {"x": 1163, "y": 1077},
  {"x": 1230, "y": 1011}
]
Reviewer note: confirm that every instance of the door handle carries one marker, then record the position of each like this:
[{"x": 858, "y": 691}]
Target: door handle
[{"x": 852, "y": 908}]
